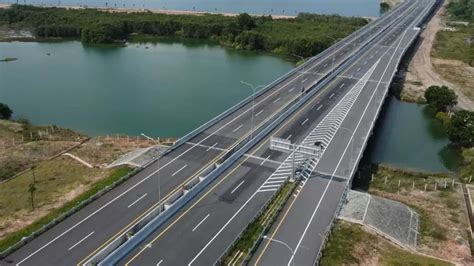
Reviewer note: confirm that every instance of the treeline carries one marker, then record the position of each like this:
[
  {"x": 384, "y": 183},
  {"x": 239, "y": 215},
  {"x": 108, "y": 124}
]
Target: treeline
[
  {"x": 459, "y": 124},
  {"x": 305, "y": 35},
  {"x": 462, "y": 9}
]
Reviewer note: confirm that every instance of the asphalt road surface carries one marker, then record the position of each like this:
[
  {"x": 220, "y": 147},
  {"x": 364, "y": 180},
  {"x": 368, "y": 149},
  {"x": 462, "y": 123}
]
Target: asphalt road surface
[
  {"x": 82, "y": 234},
  {"x": 209, "y": 224}
]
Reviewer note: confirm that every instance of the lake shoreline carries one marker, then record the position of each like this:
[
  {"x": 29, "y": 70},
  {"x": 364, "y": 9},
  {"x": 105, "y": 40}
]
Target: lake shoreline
[{"x": 174, "y": 11}]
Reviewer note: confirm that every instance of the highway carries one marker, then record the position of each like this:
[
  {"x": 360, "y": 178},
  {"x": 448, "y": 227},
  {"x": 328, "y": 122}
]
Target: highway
[
  {"x": 341, "y": 116},
  {"x": 306, "y": 221},
  {"x": 82, "y": 234}
]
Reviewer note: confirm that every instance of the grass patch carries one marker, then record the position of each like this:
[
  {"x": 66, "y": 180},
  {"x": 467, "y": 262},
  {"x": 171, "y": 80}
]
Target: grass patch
[
  {"x": 263, "y": 222},
  {"x": 388, "y": 179},
  {"x": 452, "y": 45},
  {"x": 443, "y": 221},
  {"x": 342, "y": 241},
  {"x": 13, "y": 238},
  {"x": 350, "y": 244},
  {"x": 467, "y": 166}
]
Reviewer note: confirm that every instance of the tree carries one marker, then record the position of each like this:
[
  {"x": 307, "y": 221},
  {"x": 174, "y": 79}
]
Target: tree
[
  {"x": 384, "y": 7},
  {"x": 5, "y": 111},
  {"x": 245, "y": 21},
  {"x": 441, "y": 98},
  {"x": 32, "y": 188},
  {"x": 461, "y": 130}
]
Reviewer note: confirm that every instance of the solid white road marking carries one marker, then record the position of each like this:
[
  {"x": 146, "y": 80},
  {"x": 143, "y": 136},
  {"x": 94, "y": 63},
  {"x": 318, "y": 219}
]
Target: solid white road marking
[
  {"x": 137, "y": 200},
  {"x": 213, "y": 145},
  {"x": 343, "y": 153},
  {"x": 275, "y": 182},
  {"x": 237, "y": 187},
  {"x": 270, "y": 185},
  {"x": 265, "y": 160},
  {"x": 267, "y": 190},
  {"x": 202, "y": 221},
  {"x": 159, "y": 169},
  {"x": 237, "y": 128},
  {"x": 80, "y": 241},
  {"x": 179, "y": 170}
]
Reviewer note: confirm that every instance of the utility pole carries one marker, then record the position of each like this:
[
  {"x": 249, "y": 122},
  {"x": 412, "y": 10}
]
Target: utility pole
[{"x": 303, "y": 72}]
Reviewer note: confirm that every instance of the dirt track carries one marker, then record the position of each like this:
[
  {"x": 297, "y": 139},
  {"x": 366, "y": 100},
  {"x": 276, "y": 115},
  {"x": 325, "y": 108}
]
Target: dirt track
[{"x": 421, "y": 68}]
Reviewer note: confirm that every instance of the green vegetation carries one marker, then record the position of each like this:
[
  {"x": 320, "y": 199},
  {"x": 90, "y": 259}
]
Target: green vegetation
[
  {"x": 5, "y": 111},
  {"x": 305, "y": 35},
  {"x": 8, "y": 59},
  {"x": 15, "y": 193},
  {"x": 384, "y": 7},
  {"x": 259, "y": 226},
  {"x": 442, "y": 215},
  {"x": 22, "y": 147},
  {"x": 388, "y": 178},
  {"x": 349, "y": 244},
  {"x": 461, "y": 9},
  {"x": 440, "y": 99},
  {"x": 457, "y": 44},
  {"x": 467, "y": 167},
  {"x": 461, "y": 129},
  {"x": 460, "y": 126}
]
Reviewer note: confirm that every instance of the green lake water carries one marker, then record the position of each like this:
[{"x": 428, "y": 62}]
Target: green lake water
[
  {"x": 407, "y": 135},
  {"x": 161, "y": 89},
  {"x": 171, "y": 87}
]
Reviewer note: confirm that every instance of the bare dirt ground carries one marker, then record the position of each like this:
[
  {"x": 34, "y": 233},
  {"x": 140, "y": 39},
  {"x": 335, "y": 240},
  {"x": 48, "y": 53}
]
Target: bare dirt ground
[
  {"x": 422, "y": 70},
  {"x": 59, "y": 179}
]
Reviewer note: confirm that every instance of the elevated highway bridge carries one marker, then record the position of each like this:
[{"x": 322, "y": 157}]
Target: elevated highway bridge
[{"x": 334, "y": 98}]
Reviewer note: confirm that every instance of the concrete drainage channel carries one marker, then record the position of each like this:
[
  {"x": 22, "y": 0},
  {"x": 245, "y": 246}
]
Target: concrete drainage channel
[{"x": 130, "y": 239}]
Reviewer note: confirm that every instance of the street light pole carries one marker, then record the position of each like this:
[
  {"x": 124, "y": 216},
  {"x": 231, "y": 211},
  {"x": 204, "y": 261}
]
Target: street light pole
[
  {"x": 157, "y": 163},
  {"x": 334, "y": 53},
  {"x": 253, "y": 88},
  {"x": 304, "y": 72},
  {"x": 282, "y": 243}
]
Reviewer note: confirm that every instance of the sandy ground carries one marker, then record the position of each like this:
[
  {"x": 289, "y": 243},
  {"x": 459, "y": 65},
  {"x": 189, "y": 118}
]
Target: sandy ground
[
  {"x": 162, "y": 11},
  {"x": 422, "y": 69}
]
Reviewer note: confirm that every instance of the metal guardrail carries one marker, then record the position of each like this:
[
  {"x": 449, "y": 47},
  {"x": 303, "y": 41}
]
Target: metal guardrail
[
  {"x": 417, "y": 22},
  {"x": 187, "y": 137},
  {"x": 128, "y": 245},
  {"x": 247, "y": 100},
  {"x": 63, "y": 216},
  {"x": 267, "y": 227}
]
